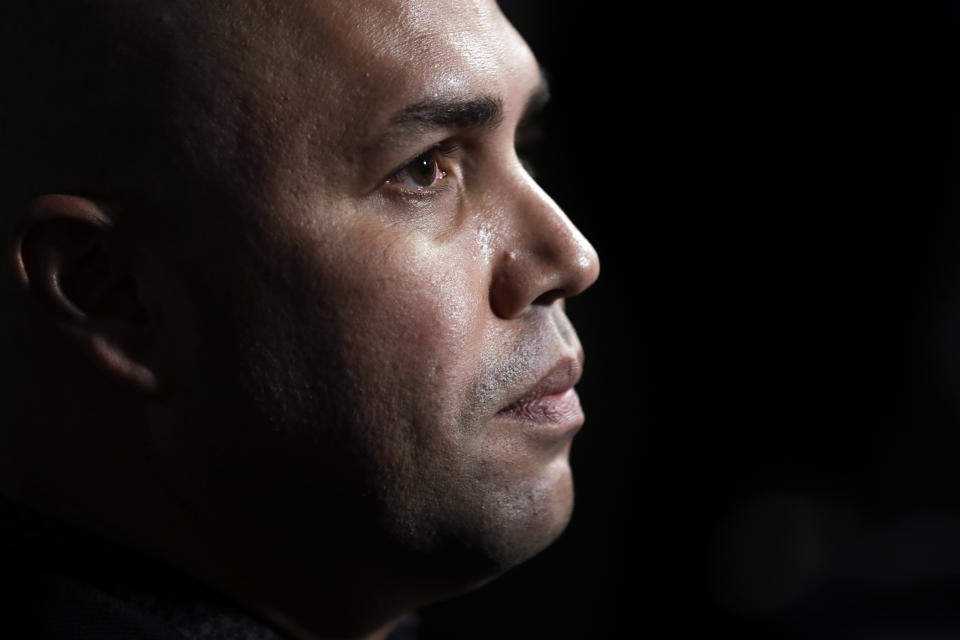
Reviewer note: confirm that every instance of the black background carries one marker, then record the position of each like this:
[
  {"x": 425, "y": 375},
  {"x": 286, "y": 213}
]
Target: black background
[{"x": 771, "y": 348}]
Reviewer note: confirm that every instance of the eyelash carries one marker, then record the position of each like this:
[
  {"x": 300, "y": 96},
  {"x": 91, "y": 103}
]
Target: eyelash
[
  {"x": 435, "y": 154},
  {"x": 526, "y": 136}
]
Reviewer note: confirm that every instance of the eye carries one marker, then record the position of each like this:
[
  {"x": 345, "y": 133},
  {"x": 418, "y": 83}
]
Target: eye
[{"x": 423, "y": 173}]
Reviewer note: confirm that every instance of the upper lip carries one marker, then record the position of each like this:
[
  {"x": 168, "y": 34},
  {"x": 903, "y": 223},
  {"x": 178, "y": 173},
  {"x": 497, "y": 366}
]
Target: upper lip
[{"x": 562, "y": 376}]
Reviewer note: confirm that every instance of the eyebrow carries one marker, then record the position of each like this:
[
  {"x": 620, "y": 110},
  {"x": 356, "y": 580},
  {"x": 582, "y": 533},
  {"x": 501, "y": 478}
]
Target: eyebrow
[{"x": 481, "y": 112}]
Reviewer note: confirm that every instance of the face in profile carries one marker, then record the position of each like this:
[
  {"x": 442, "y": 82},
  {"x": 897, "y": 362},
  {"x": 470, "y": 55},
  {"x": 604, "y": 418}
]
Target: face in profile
[
  {"x": 366, "y": 360},
  {"x": 388, "y": 286}
]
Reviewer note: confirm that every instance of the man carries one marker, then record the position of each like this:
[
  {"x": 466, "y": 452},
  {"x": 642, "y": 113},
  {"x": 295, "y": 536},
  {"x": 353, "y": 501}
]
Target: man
[{"x": 283, "y": 311}]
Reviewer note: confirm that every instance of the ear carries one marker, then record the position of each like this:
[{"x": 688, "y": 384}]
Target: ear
[{"x": 68, "y": 257}]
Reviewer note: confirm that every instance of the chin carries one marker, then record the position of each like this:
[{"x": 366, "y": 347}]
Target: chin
[
  {"x": 548, "y": 515},
  {"x": 516, "y": 523},
  {"x": 485, "y": 520}
]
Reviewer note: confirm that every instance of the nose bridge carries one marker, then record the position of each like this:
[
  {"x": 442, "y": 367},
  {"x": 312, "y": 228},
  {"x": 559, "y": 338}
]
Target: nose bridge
[{"x": 544, "y": 257}]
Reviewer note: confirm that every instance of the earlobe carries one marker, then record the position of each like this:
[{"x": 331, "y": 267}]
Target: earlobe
[{"x": 67, "y": 260}]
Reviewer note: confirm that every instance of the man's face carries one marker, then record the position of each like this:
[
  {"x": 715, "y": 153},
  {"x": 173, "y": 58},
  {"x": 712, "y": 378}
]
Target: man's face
[{"x": 380, "y": 308}]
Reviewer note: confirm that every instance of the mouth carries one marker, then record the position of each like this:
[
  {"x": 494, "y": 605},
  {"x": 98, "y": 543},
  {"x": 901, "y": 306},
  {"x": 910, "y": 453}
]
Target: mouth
[{"x": 552, "y": 400}]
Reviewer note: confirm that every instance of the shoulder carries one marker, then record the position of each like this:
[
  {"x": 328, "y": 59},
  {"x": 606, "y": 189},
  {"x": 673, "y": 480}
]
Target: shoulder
[{"x": 40, "y": 604}]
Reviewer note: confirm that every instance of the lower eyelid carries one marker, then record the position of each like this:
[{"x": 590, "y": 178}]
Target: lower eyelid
[{"x": 401, "y": 191}]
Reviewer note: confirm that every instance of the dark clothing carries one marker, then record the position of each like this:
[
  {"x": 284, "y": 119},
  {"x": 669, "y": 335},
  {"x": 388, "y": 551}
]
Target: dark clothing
[{"x": 58, "y": 583}]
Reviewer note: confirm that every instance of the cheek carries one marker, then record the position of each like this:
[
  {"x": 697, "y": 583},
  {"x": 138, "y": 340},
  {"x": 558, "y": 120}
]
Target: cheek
[
  {"x": 440, "y": 311},
  {"x": 416, "y": 311}
]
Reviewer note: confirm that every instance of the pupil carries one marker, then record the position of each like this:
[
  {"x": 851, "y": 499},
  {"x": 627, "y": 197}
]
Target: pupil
[{"x": 426, "y": 170}]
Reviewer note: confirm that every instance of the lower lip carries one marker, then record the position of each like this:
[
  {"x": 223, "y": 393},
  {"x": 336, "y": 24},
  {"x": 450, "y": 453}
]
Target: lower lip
[{"x": 561, "y": 410}]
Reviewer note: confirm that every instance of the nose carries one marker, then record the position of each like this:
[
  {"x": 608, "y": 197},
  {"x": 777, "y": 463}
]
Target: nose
[{"x": 544, "y": 257}]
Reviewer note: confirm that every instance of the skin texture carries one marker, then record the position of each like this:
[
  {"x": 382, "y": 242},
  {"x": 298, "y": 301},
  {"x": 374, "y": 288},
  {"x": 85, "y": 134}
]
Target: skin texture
[{"x": 314, "y": 348}]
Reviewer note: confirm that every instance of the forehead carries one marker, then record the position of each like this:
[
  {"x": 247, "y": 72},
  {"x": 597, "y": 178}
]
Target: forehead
[
  {"x": 396, "y": 52},
  {"x": 443, "y": 40},
  {"x": 296, "y": 79}
]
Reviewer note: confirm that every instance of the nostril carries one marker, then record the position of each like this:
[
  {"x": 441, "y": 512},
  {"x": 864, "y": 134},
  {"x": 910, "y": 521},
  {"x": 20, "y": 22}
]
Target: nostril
[{"x": 549, "y": 297}]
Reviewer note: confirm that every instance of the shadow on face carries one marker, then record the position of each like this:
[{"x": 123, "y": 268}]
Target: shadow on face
[{"x": 321, "y": 297}]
